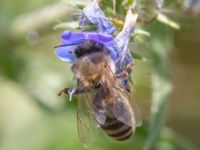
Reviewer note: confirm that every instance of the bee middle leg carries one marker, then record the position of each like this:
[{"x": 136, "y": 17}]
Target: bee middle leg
[{"x": 126, "y": 71}]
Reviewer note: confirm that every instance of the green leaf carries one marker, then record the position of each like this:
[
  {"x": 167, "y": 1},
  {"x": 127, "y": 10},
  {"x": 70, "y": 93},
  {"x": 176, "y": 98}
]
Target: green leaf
[
  {"x": 66, "y": 25},
  {"x": 137, "y": 56},
  {"x": 130, "y": 79},
  {"x": 77, "y": 3},
  {"x": 80, "y": 6},
  {"x": 147, "y": 9},
  {"x": 171, "y": 140},
  {"x": 161, "y": 92},
  {"x": 141, "y": 32},
  {"x": 163, "y": 19},
  {"x": 161, "y": 43}
]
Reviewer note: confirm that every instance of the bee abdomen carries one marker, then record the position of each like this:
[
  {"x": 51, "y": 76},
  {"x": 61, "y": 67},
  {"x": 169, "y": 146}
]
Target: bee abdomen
[{"x": 116, "y": 129}]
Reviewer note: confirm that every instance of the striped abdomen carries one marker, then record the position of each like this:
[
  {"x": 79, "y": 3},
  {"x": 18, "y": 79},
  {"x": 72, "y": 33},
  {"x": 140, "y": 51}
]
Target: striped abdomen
[{"x": 117, "y": 129}]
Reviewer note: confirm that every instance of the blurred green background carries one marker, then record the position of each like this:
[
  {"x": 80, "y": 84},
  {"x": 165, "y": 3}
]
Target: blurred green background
[{"x": 32, "y": 116}]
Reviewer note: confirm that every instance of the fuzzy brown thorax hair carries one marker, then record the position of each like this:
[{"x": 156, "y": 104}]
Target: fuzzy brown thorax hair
[{"x": 93, "y": 69}]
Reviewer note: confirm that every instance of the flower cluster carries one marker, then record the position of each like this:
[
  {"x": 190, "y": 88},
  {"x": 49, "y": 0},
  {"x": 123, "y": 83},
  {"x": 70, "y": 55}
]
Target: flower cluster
[
  {"x": 70, "y": 41},
  {"x": 117, "y": 46}
]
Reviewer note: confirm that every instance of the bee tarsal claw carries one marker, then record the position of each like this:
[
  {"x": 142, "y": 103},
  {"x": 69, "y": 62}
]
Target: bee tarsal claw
[
  {"x": 71, "y": 92},
  {"x": 60, "y": 93},
  {"x": 65, "y": 90}
]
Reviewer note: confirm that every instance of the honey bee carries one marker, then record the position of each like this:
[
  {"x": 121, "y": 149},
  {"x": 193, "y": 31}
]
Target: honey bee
[{"x": 103, "y": 101}]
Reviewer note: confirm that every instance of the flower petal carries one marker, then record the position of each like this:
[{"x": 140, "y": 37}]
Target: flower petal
[
  {"x": 69, "y": 37},
  {"x": 70, "y": 41},
  {"x": 99, "y": 37},
  {"x": 93, "y": 14},
  {"x": 66, "y": 53}
]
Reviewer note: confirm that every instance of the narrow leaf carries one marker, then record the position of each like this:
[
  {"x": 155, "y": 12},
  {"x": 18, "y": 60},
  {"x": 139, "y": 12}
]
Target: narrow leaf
[
  {"x": 163, "y": 19},
  {"x": 161, "y": 92},
  {"x": 66, "y": 25},
  {"x": 135, "y": 55}
]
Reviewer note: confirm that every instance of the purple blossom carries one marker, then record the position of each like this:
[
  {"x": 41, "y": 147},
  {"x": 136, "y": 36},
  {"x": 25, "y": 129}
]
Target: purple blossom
[
  {"x": 192, "y": 7},
  {"x": 93, "y": 14},
  {"x": 70, "y": 41},
  {"x": 116, "y": 46}
]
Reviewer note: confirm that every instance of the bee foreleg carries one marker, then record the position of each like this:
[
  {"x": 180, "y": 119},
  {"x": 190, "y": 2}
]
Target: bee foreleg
[{"x": 69, "y": 91}]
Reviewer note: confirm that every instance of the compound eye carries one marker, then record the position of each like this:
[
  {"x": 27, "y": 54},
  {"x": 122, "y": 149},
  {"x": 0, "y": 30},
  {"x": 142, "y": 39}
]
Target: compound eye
[{"x": 78, "y": 52}]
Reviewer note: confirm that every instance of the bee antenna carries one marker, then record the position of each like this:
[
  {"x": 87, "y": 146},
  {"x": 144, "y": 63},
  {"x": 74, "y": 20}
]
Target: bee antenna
[
  {"x": 60, "y": 93},
  {"x": 63, "y": 45}
]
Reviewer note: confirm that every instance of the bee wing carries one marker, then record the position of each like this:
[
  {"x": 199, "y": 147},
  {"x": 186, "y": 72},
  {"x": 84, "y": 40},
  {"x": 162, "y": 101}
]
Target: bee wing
[
  {"x": 125, "y": 110},
  {"x": 136, "y": 113},
  {"x": 98, "y": 109},
  {"x": 86, "y": 123}
]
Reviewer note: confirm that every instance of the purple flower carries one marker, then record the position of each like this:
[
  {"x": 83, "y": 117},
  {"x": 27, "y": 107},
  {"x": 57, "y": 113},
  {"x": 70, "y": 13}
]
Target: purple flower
[
  {"x": 192, "y": 7},
  {"x": 93, "y": 14},
  {"x": 117, "y": 46},
  {"x": 70, "y": 41}
]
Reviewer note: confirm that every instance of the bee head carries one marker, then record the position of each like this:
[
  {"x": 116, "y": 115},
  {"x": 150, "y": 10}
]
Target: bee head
[
  {"x": 90, "y": 68},
  {"x": 88, "y": 47}
]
